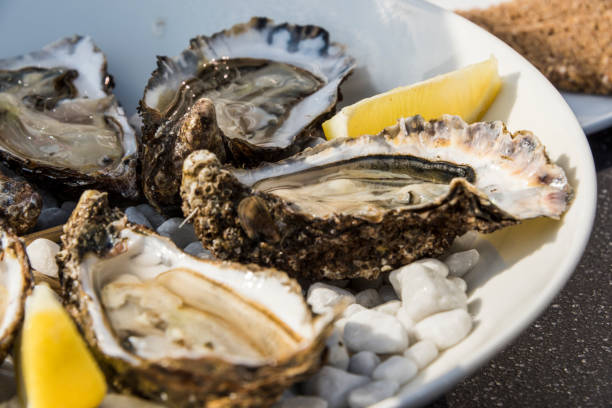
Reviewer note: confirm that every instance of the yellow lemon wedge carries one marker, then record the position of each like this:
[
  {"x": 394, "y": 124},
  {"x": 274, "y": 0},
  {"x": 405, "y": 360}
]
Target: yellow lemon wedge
[
  {"x": 54, "y": 365},
  {"x": 467, "y": 92}
]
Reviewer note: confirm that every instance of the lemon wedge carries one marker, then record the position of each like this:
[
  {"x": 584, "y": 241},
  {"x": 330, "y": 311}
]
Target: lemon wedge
[
  {"x": 467, "y": 92},
  {"x": 54, "y": 365}
]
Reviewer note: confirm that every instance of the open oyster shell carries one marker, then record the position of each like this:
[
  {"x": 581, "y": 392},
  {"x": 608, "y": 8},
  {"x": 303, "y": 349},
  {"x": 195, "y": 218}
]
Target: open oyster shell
[
  {"x": 15, "y": 285},
  {"x": 256, "y": 92},
  {"x": 60, "y": 122},
  {"x": 20, "y": 204},
  {"x": 355, "y": 207},
  {"x": 178, "y": 329}
]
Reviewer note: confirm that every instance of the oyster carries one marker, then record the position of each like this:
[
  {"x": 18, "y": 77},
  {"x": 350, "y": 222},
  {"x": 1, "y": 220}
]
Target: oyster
[
  {"x": 59, "y": 121},
  {"x": 15, "y": 285},
  {"x": 20, "y": 204},
  {"x": 355, "y": 207},
  {"x": 181, "y": 330},
  {"x": 256, "y": 92}
]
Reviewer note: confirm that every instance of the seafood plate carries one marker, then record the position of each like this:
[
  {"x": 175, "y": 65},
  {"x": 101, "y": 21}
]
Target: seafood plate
[{"x": 520, "y": 269}]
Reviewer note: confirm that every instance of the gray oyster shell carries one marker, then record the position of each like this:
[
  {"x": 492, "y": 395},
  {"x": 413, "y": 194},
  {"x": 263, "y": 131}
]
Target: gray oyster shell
[
  {"x": 60, "y": 122},
  {"x": 258, "y": 91},
  {"x": 15, "y": 285},
  {"x": 355, "y": 207},
  {"x": 177, "y": 329},
  {"x": 20, "y": 204}
]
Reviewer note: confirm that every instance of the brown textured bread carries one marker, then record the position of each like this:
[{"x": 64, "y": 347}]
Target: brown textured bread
[{"x": 570, "y": 41}]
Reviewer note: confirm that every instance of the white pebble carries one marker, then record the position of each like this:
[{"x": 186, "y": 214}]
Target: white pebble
[
  {"x": 136, "y": 217},
  {"x": 181, "y": 235},
  {"x": 51, "y": 217},
  {"x": 445, "y": 329},
  {"x": 153, "y": 216},
  {"x": 41, "y": 253},
  {"x": 323, "y": 298},
  {"x": 422, "y": 353},
  {"x": 375, "y": 331},
  {"x": 337, "y": 354},
  {"x": 352, "y": 309},
  {"x": 396, "y": 368},
  {"x": 387, "y": 293},
  {"x": 372, "y": 393},
  {"x": 333, "y": 385},
  {"x": 425, "y": 289},
  {"x": 194, "y": 248},
  {"x": 460, "y": 263},
  {"x": 404, "y": 319},
  {"x": 363, "y": 363},
  {"x": 301, "y": 402},
  {"x": 68, "y": 206},
  {"x": 464, "y": 242},
  {"x": 391, "y": 307},
  {"x": 368, "y": 298}
]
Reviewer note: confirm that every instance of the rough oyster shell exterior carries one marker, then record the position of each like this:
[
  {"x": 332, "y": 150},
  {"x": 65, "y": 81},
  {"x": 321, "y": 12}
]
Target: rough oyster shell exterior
[
  {"x": 20, "y": 204},
  {"x": 174, "y": 127},
  {"x": 236, "y": 221},
  {"x": 96, "y": 233},
  {"x": 15, "y": 285}
]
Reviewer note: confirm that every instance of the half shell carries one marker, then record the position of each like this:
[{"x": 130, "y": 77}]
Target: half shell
[
  {"x": 256, "y": 92},
  {"x": 15, "y": 285},
  {"x": 178, "y": 329},
  {"x": 356, "y": 207},
  {"x": 60, "y": 122}
]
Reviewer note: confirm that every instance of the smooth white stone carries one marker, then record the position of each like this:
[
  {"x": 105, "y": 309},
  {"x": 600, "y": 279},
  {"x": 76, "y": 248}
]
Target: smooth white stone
[
  {"x": 460, "y": 263},
  {"x": 68, "y": 206},
  {"x": 391, "y": 307},
  {"x": 368, "y": 298},
  {"x": 352, "y": 309},
  {"x": 387, "y": 293},
  {"x": 460, "y": 283},
  {"x": 51, "y": 217},
  {"x": 464, "y": 242},
  {"x": 41, "y": 253},
  {"x": 136, "y": 217},
  {"x": 445, "y": 329},
  {"x": 425, "y": 289},
  {"x": 372, "y": 393},
  {"x": 323, "y": 298},
  {"x": 152, "y": 215},
  {"x": 363, "y": 363},
  {"x": 337, "y": 354},
  {"x": 180, "y": 235},
  {"x": 302, "y": 402},
  {"x": 333, "y": 385},
  {"x": 396, "y": 368},
  {"x": 375, "y": 331},
  {"x": 422, "y": 353},
  {"x": 405, "y": 319},
  {"x": 194, "y": 248}
]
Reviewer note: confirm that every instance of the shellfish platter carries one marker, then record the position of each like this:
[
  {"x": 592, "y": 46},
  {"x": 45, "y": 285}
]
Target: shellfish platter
[{"x": 175, "y": 191}]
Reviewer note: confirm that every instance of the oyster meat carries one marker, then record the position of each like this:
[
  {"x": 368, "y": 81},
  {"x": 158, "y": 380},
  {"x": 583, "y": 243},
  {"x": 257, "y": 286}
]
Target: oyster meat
[
  {"x": 15, "y": 285},
  {"x": 20, "y": 204},
  {"x": 256, "y": 92},
  {"x": 355, "y": 207},
  {"x": 59, "y": 120},
  {"x": 178, "y": 329}
]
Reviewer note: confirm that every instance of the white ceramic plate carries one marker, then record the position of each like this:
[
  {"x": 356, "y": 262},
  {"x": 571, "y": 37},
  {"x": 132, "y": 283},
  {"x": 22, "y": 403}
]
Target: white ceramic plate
[
  {"x": 594, "y": 112},
  {"x": 395, "y": 43}
]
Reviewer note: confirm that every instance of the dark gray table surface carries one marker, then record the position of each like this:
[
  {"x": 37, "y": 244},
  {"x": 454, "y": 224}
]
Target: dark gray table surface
[{"x": 565, "y": 358}]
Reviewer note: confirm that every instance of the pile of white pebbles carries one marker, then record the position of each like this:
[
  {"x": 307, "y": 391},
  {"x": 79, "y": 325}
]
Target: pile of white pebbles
[{"x": 393, "y": 326}]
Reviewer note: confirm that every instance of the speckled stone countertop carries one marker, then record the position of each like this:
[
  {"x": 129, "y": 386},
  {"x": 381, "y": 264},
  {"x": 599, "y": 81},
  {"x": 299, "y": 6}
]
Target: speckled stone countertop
[{"x": 565, "y": 358}]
